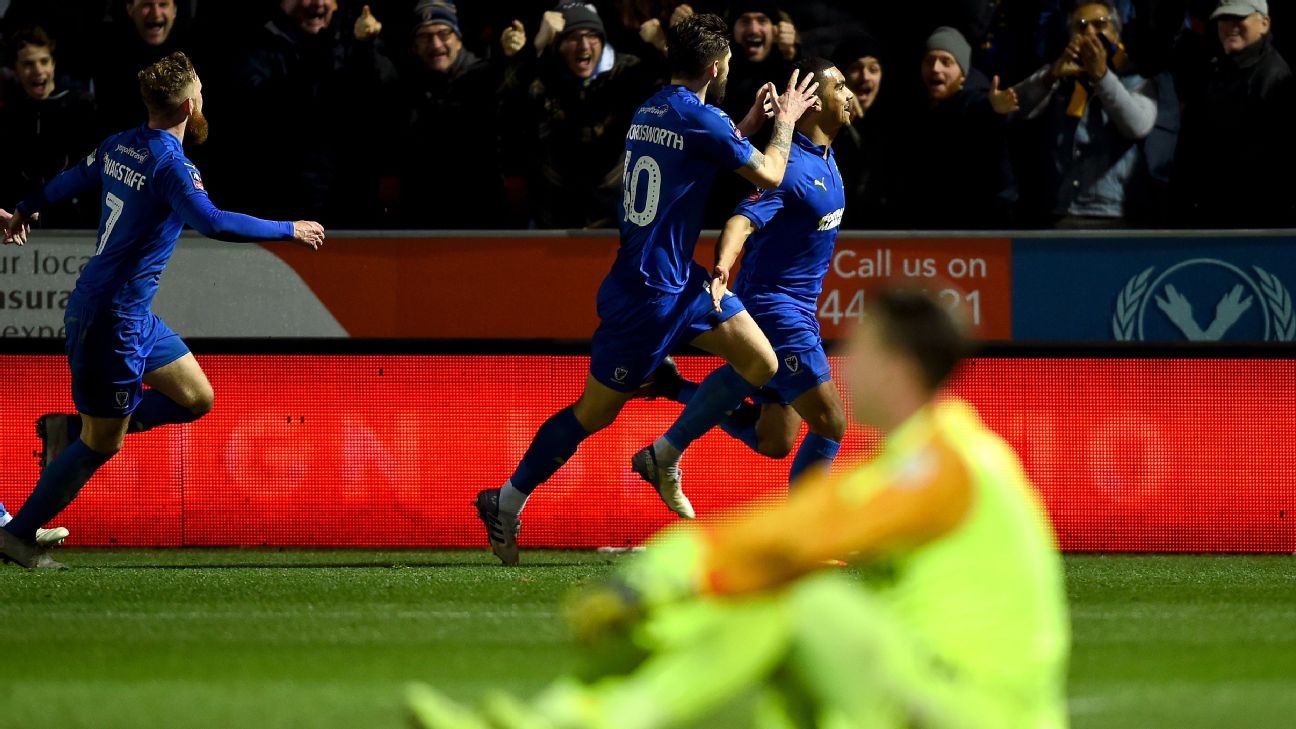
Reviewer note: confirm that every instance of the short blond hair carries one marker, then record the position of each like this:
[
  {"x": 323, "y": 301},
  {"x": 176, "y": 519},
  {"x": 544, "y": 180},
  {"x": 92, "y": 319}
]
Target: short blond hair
[{"x": 166, "y": 84}]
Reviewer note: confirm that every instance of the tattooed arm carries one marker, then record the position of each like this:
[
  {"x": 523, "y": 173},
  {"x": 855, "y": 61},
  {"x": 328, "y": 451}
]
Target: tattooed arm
[{"x": 765, "y": 169}]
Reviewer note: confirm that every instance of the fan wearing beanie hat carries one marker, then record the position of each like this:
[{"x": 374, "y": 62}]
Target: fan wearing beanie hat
[
  {"x": 759, "y": 28},
  {"x": 947, "y": 62},
  {"x": 438, "y": 42}
]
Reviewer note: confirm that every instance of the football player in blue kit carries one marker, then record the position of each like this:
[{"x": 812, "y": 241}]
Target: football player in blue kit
[
  {"x": 656, "y": 298},
  {"x": 790, "y": 233},
  {"x": 115, "y": 344}
]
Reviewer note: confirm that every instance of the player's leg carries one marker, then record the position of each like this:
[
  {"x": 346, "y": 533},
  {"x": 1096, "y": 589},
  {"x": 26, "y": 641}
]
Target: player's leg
[
  {"x": 553, "y": 444},
  {"x": 179, "y": 393},
  {"x": 59, "y": 484},
  {"x": 749, "y": 423},
  {"x": 823, "y": 410},
  {"x": 676, "y": 685},
  {"x": 751, "y": 363},
  {"x": 107, "y": 356},
  {"x": 860, "y": 667}
]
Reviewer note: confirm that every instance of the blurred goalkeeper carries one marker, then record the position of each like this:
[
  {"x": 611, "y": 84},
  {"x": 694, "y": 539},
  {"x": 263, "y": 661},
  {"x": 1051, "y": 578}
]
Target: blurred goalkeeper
[{"x": 961, "y": 621}]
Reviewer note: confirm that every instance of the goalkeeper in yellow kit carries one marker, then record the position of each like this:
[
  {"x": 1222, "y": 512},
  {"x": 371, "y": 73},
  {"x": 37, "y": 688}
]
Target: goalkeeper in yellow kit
[{"x": 960, "y": 621}]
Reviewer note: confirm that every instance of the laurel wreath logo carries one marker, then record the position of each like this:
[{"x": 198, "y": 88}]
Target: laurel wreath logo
[
  {"x": 1282, "y": 314},
  {"x": 1125, "y": 320}
]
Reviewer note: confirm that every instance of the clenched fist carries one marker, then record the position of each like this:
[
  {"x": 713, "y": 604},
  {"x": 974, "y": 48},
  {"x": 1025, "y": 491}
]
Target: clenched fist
[{"x": 367, "y": 26}]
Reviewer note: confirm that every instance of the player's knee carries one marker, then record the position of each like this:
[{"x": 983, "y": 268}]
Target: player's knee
[
  {"x": 202, "y": 403},
  {"x": 593, "y": 418},
  {"x": 775, "y": 447},
  {"x": 830, "y": 424},
  {"x": 105, "y": 445},
  {"x": 760, "y": 368}
]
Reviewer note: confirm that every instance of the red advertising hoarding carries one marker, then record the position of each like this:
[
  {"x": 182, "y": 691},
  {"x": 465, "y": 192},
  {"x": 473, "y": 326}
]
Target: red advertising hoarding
[
  {"x": 544, "y": 287},
  {"x": 330, "y": 450}
]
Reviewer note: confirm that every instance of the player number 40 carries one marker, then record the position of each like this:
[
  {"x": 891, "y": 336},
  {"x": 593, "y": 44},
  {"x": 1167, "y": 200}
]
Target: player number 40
[
  {"x": 831, "y": 311},
  {"x": 630, "y": 186}
]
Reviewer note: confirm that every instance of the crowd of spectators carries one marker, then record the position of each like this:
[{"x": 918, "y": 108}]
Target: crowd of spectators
[{"x": 969, "y": 114}]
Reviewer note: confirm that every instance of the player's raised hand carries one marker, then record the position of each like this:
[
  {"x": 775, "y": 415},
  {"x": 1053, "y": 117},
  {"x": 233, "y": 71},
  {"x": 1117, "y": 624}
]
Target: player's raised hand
[
  {"x": 762, "y": 109},
  {"x": 1005, "y": 101},
  {"x": 367, "y": 26},
  {"x": 17, "y": 226},
  {"x": 798, "y": 98},
  {"x": 308, "y": 233},
  {"x": 719, "y": 286},
  {"x": 551, "y": 24},
  {"x": 513, "y": 38}
]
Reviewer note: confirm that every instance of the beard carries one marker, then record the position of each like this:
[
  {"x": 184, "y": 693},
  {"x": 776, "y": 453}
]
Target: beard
[
  {"x": 716, "y": 91},
  {"x": 197, "y": 129}
]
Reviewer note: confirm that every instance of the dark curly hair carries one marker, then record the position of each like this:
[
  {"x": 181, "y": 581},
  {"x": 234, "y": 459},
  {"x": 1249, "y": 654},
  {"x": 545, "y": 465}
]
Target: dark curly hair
[{"x": 694, "y": 43}]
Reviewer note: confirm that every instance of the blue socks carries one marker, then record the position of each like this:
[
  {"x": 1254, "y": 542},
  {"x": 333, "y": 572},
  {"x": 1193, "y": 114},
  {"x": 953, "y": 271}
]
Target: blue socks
[
  {"x": 555, "y": 442},
  {"x": 816, "y": 451},
  {"x": 157, "y": 409},
  {"x": 740, "y": 423},
  {"x": 718, "y": 395},
  {"x": 58, "y": 485}
]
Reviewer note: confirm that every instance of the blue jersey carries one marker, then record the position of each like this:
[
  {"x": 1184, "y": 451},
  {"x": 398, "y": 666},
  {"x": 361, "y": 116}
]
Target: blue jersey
[
  {"x": 150, "y": 192},
  {"x": 796, "y": 225},
  {"x": 674, "y": 148}
]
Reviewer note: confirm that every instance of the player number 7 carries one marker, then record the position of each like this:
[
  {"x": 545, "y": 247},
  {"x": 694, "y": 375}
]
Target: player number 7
[{"x": 115, "y": 207}]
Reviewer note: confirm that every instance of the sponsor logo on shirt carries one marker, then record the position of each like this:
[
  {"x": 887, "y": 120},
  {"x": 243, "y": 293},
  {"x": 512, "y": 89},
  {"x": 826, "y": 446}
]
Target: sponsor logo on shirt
[
  {"x": 831, "y": 220},
  {"x": 139, "y": 155},
  {"x": 820, "y": 183}
]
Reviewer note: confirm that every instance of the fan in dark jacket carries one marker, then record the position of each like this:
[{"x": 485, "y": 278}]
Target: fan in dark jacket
[
  {"x": 47, "y": 129},
  {"x": 314, "y": 92},
  {"x": 955, "y": 170},
  {"x": 1237, "y": 123},
  {"x": 570, "y": 102},
  {"x": 449, "y": 97}
]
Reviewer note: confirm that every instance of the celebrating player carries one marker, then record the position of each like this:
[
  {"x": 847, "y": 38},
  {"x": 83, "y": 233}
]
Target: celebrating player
[
  {"x": 962, "y": 625},
  {"x": 655, "y": 297},
  {"x": 792, "y": 231},
  {"x": 114, "y": 342}
]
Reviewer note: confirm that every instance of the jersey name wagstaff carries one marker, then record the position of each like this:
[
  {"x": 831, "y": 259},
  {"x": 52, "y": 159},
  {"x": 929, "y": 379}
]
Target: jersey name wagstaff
[
  {"x": 123, "y": 173},
  {"x": 655, "y": 135}
]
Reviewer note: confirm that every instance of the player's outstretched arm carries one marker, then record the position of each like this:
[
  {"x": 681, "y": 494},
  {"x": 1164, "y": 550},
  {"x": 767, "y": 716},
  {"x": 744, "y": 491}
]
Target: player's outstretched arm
[
  {"x": 765, "y": 169},
  {"x": 735, "y": 234},
  {"x": 198, "y": 213},
  {"x": 68, "y": 183}
]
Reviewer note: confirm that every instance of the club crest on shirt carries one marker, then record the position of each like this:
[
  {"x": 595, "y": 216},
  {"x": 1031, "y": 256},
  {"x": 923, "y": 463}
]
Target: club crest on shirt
[
  {"x": 793, "y": 363},
  {"x": 619, "y": 374}
]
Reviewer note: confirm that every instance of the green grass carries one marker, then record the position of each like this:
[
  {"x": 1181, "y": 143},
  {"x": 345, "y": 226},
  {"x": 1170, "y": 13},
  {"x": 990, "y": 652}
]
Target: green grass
[{"x": 278, "y": 639}]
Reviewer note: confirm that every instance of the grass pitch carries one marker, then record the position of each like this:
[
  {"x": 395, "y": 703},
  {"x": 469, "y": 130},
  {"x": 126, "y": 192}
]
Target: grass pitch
[{"x": 286, "y": 639}]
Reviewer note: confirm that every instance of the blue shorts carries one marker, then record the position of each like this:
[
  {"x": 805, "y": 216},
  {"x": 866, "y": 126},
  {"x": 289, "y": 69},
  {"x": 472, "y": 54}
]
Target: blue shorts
[
  {"x": 798, "y": 373},
  {"x": 109, "y": 355},
  {"x": 641, "y": 325},
  {"x": 793, "y": 332}
]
